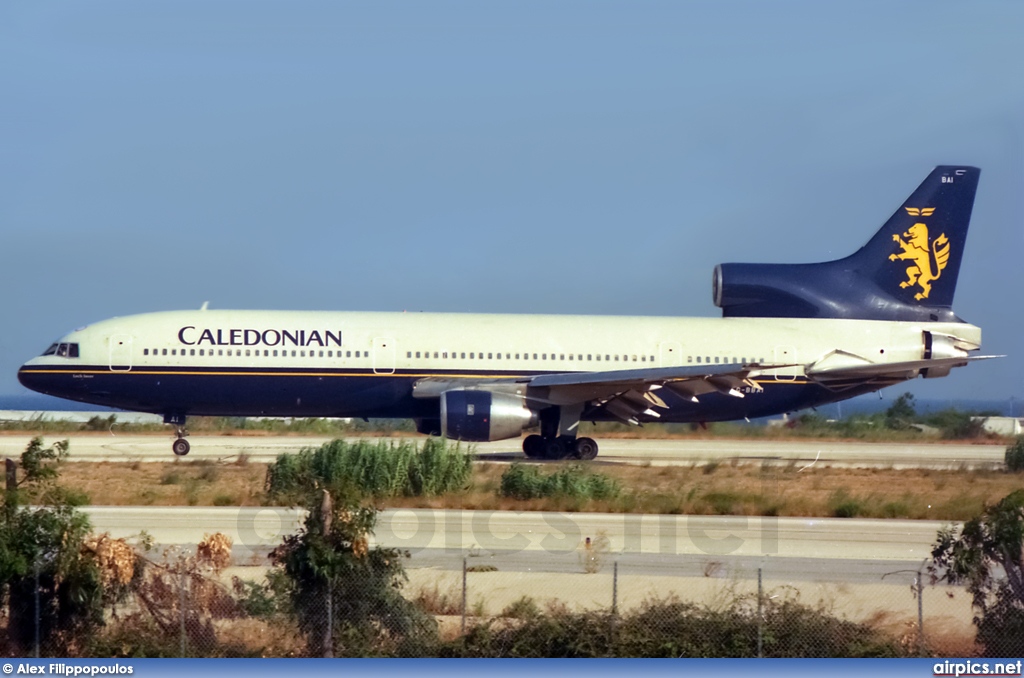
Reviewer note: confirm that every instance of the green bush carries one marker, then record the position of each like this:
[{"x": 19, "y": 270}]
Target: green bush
[
  {"x": 842, "y": 505},
  {"x": 378, "y": 469},
  {"x": 525, "y": 481},
  {"x": 1015, "y": 456},
  {"x": 670, "y": 628}
]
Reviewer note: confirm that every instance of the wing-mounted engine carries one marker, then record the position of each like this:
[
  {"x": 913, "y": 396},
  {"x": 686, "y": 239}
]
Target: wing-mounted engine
[{"x": 481, "y": 416}]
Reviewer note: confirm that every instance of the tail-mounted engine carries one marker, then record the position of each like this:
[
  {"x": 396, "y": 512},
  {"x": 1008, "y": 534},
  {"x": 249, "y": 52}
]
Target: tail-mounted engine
[{"x": 482, "y": 416}]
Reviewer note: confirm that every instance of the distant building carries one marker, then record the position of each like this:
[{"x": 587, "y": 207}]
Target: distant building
[{"x": 1001, "y": 426}]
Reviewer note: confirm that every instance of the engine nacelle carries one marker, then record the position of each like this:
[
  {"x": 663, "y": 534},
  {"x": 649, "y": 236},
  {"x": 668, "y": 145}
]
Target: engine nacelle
[{"x": 482, "y": 416}]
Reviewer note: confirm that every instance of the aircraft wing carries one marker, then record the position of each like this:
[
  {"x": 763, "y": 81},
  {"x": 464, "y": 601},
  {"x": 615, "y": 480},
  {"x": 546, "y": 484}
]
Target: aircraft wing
[
  {"x": 623, "y": 394},
  {"x": 900, "y": 370}
]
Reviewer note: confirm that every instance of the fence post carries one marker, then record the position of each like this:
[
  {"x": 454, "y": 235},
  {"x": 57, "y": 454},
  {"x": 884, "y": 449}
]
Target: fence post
[
  {"x": 920, "y": 613},
  {"x": 38, "y": 610},
  {"x": 615, "y": 589},
  {"x": 760, "y": 615},
  {"x": 181, "y": 601},
  {"x": 327, "y": 516},
  {"x": 329, "y": 633},
  {"x": 463, "y": 595}
]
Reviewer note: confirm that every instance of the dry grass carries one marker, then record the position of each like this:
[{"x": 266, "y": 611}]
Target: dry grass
[{"x": 743, "y": 489}]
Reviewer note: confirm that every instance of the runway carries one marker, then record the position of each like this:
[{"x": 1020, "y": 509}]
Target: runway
[
  {"x": 685, "y": 451},
  {"x": 801, "y": 548}
]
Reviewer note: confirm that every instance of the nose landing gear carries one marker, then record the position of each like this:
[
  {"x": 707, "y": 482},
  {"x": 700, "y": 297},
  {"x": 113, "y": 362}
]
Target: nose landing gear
[{"x": 180, "y": 446}]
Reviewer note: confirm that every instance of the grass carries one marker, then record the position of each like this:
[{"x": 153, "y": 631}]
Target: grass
[
  {"x": 746, "y": 489},
  {"x": 377, "y": 469}
]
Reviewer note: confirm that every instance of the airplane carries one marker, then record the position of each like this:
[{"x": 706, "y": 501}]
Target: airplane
[{"x": 791, "y": 336}]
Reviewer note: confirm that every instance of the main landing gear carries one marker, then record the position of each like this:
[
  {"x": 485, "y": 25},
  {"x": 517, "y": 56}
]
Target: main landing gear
[
  {"x": 557, "y": 439},
  {"x": 180, "y": 446},
  {"x": 560, "y": 447}
]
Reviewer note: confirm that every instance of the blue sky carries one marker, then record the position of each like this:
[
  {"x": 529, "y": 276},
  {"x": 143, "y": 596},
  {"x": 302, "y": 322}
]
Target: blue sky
[{"x": 551, "y": 157}]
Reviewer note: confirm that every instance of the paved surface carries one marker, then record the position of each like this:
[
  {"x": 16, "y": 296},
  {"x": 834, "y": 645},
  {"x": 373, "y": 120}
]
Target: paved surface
[
  {"x": 786, "y": 548},
  {"x": 112, "y": 447}
]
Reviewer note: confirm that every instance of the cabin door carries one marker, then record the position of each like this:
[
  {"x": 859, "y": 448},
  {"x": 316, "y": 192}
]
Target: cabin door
[{"x": 120, "y": 353}]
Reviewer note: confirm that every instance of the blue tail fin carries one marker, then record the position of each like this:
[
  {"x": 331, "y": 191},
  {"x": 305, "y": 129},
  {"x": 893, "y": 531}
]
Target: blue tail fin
[{"x": 907, "y": 271}]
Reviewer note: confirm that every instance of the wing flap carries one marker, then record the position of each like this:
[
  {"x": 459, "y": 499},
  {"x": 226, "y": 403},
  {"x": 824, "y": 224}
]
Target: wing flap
[{"x": 903, "y": 370}]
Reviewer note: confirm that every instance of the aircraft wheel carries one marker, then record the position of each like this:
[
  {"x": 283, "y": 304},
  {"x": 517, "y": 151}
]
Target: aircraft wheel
[
  {"x": 555, "y": 448},
  {"x": 533, "y": 446},
  {"x": 180, "y": 447},
  {"x": 586, "y": 449}
]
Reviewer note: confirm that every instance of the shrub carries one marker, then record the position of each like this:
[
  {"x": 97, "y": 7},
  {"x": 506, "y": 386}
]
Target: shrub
[
  {"x": 524, "y": 481},
  {"x": 330, "y": 567},
  {"x": 1015, "y": 456},
  {"x": 378, "y": 469},
  {"x": 670, "y": 628},
  {"x": 974, "y": 555}
]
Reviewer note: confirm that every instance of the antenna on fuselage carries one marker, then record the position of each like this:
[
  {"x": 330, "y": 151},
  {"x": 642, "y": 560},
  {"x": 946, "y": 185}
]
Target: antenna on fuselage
[{"x": 205, "y": 306}]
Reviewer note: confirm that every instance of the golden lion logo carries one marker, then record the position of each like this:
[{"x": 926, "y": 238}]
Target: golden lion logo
[{"x": 921, "y": 251}]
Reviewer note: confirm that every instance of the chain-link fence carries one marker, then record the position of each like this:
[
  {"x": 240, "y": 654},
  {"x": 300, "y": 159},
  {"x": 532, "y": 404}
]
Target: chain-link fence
[{"x": 586, "y": 601}]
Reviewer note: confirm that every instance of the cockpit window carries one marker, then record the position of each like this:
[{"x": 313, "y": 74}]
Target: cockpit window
[{"x": 62, "y": 350}]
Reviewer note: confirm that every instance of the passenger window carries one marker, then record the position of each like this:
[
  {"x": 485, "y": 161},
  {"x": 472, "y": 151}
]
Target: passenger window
[
  {"x": 444, "y": 354},
  {"x": 543, "y": 356},
  {"x": 463, "y": 356},
  {"x": 293, "y": 353},
  {"x": 570, "y": 356},
  {"x": 716, "y": 359},
  {"x": 689, "y": 358},
  {"x": 534, "y": 356},
  {"x": 472, "y": 355},
  {"x": 643, "y": 358},
  {"x": 220, "y": 351},
  {"x": 145, "y": 351},
  {"x": 698, "y": 358},
  {"x": 489, "y": 356},
  {"x": 191, "y": 351}
]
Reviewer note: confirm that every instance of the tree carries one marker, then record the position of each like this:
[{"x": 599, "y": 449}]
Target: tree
[
  {"x": 344, "y": 593},
  {"x": 987, "y": 556},
  {"x": 901, "y": 414},
  {"x": 42, "y": 559}
]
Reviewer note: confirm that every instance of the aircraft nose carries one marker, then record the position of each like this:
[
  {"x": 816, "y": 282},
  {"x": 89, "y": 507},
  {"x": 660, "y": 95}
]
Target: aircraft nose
[{"x": 29, "y": 379}]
